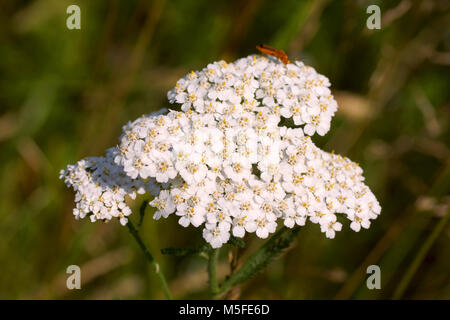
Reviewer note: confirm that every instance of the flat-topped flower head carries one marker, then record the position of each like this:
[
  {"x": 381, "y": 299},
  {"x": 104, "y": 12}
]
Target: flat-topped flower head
[
  {"x": 292, "y": 90},
  {"x": 101, "y": 187},
  {"x": 225, "y": 163}
]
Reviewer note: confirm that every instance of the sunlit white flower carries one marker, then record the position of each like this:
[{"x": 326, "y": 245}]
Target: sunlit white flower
[
  {"x": 237, "y": 159},
  {"x": 329, "y": 226},
  {"x": 164, "y": 203},
  {"x": 216, "y": 234}
]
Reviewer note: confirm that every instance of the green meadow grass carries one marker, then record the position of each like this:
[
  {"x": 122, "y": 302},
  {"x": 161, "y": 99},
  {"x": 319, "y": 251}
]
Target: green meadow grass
[{"x": 64, "y": 95}]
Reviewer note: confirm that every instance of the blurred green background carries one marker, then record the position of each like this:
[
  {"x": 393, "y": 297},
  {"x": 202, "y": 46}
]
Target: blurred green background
[{"x": 64, "y": 95}]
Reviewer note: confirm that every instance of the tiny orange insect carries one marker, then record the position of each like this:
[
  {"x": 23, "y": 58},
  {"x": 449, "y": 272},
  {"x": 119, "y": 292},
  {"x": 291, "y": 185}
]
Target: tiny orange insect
[{"x": 278, "y": 53}]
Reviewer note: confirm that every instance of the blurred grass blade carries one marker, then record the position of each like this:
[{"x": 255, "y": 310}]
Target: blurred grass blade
[{"x": 401, "y": 288}]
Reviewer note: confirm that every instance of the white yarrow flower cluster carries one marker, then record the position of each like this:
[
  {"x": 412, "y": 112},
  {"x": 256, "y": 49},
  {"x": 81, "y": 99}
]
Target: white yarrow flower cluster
[
  {"x": 293, "y": 91},
  {"x": 226, "y": 163},
  {"x": 101, "y": 187}
]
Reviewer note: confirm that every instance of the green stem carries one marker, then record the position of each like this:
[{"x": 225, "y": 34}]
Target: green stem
[
  {"x": 213, "y": 256},
  {"x": 150, "y": 259},
  {"x": 280, "y": 241}
]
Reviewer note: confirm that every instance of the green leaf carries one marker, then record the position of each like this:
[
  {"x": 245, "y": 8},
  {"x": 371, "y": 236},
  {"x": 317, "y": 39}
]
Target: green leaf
[
  {"x": 278, "y": 243},
  {"x": 238, "y": 242},
  {"x": 179, "y": 252}
]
